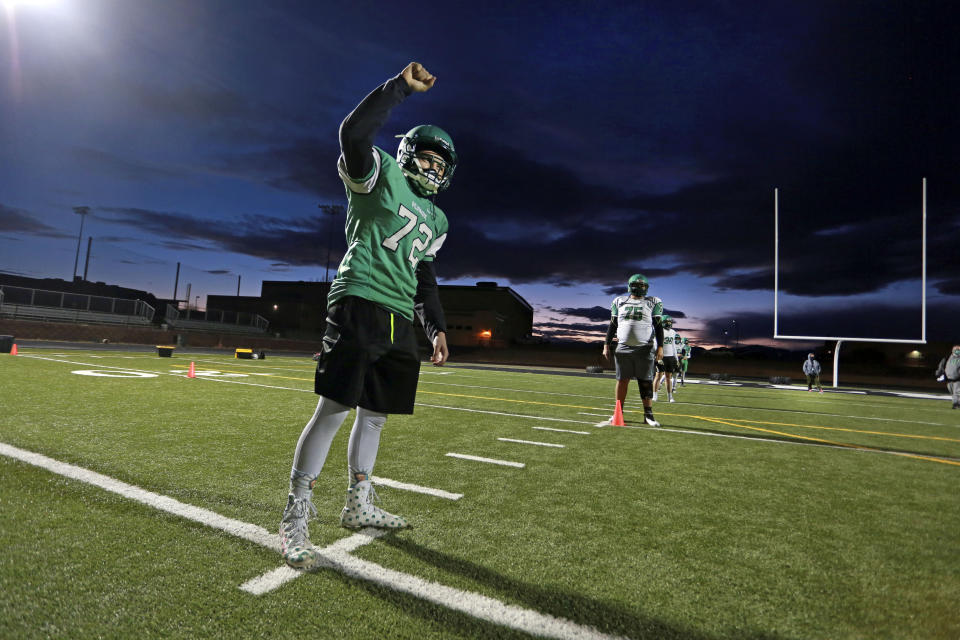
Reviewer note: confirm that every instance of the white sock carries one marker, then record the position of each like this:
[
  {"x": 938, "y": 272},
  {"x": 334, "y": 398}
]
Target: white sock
[
  {"x": 364, "y": 443},
  {"x": 314, "y": 445}
]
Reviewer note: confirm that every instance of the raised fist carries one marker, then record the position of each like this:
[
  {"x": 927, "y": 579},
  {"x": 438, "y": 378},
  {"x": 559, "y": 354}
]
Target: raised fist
[{"x": 417, "y": 77}]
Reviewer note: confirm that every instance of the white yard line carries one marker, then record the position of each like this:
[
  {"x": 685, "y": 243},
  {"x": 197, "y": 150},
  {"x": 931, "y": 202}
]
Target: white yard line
[
  {"x": 276, "y": 578},
  {"x": 504, "y": 463},
  {"x": 582, "y": 433},
  {"x": 472, "y": 604},
  {"x": 250, "y": 532},
  {"x": 177, "y": 375},
  {"x": 336, "y": 556},
  {"x": 440, "y": 493},
  {"x": 539, "y": 444},
  {"x": 923, "y": 396}
]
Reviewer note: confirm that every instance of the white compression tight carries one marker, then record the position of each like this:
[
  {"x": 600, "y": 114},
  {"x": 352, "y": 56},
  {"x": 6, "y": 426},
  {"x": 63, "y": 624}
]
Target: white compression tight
[
  {"x": 364, "y": 442},
  {"x": 318, "y": 434}
]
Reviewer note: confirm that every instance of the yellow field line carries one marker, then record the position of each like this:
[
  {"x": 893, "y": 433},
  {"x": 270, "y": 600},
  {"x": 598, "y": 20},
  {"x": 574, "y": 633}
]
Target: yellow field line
[
  {"x": 878, "y": 433},
  {"x": 720, "y": 421},
  {"x": 682, "y": 415},
  {"x": 838, "y": 444},
  {"x": 779, "y": 433},
  {"x": 811, "y": 426}
]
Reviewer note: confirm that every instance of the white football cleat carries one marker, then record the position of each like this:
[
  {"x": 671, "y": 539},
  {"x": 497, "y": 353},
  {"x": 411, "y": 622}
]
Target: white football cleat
[
  {"x": 361, "y": 512},
  {"x": 294, "y": 537},
  {"x": 654, "y": 396},
  {"x": 650, "y": 420},
  {"x": 670, "y": 396}
]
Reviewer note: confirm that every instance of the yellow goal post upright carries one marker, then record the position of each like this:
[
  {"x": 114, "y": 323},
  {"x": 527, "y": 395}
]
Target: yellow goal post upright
[{"x": 841, "y": 339}]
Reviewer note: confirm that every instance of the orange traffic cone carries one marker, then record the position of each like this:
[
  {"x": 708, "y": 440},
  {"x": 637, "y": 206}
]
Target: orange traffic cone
[
  {"x": 617, "y": 419},
  {"x": 192, "y": 373},
  {"x": 13, "y": 351}
]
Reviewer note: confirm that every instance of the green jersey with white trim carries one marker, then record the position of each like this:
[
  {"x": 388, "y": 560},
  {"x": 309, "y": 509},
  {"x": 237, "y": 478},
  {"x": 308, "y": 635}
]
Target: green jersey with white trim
[
  {"x": 635, "y": 319},
  {"x": 389, "y": 229}
]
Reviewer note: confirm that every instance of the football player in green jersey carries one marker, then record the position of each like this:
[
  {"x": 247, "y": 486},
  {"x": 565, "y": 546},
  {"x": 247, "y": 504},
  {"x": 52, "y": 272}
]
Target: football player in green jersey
[
  {"x": 684, "y": 361},
  {"x": 369, "y": 357},
  {"x": 636, "y": 322}
]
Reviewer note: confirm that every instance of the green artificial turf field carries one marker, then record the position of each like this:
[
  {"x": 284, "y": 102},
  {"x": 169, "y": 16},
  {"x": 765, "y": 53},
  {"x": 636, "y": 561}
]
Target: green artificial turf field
[{"x": 753, "y": 512}]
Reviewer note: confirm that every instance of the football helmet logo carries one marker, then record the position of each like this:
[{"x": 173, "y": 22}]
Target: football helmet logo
[{"x": 426, "y": 137}]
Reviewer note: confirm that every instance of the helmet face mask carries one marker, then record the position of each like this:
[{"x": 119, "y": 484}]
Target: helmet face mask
[
  {"x": 638, "y": 285},
  {"x": 667, "y": 322},
  {"x": 430, "y": 181}
]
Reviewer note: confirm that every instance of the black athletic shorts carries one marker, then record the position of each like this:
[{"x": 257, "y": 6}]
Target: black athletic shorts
[
  {"x": 636, "y": 363},
  {"x": 369, "y": 358},
  {"x": 669, "y": 364}
]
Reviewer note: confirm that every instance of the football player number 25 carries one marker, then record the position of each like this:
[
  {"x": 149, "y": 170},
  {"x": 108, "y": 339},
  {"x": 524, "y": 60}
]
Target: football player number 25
[{"x": 420, "y": 243}]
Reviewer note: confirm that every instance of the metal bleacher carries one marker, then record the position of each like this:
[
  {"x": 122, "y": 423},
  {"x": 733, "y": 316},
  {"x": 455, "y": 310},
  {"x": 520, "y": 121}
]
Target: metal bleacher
[
  {"x": 21, "y": 303},
  {"x": 215, "y": 320}
]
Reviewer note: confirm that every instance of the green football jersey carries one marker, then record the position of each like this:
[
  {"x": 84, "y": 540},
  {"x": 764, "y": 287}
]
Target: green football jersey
[{"x": 389, "y": 229}]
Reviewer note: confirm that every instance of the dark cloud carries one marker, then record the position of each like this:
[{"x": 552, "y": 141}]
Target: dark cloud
[
  {"x": 295, "y": 241},
  {"x": 597, "y": 330},
  {"x": 185, "y": 246},
  {"x": 20, "y": 221},
  {"x": 949, "y": 287},
  {"x": 591, "y": 313},
  {"x": 860, "y": 321},
  {"x": 307, "y": 165}
]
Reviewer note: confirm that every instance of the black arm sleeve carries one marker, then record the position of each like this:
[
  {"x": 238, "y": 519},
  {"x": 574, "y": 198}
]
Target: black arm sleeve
[
  {"x": 426, "y": 302},
  {"x": 658, "y": 329},
  {"x": 611, "y": 331},
  {"x": 359, "y": 128}
]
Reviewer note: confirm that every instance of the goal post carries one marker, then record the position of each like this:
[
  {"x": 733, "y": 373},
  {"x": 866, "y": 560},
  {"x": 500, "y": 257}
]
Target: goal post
[{"x": 841, "y": 339}]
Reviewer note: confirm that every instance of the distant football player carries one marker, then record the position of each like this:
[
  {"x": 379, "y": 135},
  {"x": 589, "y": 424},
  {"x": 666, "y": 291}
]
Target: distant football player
[
  {"x": 678, "y": 346},
  {"x": 668, "y": 366},
  {"x": 686, "y": 353},
  {"x": 369, "y": 355},
  {"x": 635, "y": 320}
]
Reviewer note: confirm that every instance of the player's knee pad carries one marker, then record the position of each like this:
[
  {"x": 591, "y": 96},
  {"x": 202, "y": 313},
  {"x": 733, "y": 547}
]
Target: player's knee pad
[{"x": 646, "y": 389}]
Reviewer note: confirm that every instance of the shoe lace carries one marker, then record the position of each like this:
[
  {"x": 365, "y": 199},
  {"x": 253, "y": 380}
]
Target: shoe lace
[{"x": 295, "y": 524}]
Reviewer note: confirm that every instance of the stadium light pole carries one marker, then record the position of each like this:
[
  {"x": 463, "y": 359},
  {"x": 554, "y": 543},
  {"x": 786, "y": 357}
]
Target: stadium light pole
[
  {"x": 82, "y": 212},
  {"x": 737, "y": 327}
]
